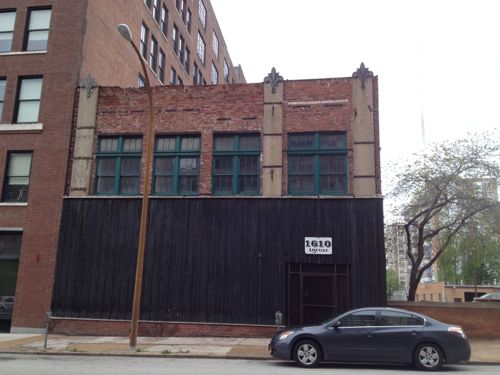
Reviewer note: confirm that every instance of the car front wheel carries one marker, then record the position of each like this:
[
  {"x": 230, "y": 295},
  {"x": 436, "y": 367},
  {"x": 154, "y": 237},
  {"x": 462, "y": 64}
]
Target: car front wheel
[
  {"x": 428, "y": 357},
  {"x": 307, "y": 353}
]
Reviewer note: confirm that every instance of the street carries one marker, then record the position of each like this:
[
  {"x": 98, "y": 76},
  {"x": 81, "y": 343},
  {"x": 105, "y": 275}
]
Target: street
[{"x": 75, "y": 365}]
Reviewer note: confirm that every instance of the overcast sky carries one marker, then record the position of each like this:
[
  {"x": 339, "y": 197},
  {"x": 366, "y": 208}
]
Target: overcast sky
[{"x": 439, "y": 59}]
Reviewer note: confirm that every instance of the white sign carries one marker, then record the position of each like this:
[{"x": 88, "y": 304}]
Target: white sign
[{"x": 318, "y": 245}]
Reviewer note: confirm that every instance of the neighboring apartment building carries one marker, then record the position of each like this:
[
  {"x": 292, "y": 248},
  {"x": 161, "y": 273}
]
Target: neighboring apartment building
[
  {"x": 47, "y": 47},
  {"x": 265, "y": 198}
]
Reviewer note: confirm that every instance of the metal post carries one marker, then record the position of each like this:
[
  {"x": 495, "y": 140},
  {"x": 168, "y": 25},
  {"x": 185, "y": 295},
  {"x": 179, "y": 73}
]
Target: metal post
[{"x": 48, "y": 317}]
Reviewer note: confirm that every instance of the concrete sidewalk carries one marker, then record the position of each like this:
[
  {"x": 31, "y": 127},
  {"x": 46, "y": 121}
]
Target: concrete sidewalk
[{"x": 483, "y": 351}]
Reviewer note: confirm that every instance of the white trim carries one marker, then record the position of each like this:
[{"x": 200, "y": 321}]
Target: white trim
[
  {"x": 10, "y": 229},
  {"x": 313, "y": 102},
  {"x": 13, "y": 204},
  {"x": 14, "y": 128},
  {"x": 23, "y": 53}
]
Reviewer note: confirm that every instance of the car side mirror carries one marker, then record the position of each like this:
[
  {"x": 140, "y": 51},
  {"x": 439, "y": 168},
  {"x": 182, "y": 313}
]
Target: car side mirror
[{"x": 337, "y": 324}]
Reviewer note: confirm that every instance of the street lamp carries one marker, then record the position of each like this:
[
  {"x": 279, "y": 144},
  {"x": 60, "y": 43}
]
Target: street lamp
[{"x": 125, "y": 32}]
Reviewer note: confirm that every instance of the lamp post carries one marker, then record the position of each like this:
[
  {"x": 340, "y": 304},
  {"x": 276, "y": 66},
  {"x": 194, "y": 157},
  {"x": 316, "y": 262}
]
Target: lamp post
[{"x": 125, "y": 32}]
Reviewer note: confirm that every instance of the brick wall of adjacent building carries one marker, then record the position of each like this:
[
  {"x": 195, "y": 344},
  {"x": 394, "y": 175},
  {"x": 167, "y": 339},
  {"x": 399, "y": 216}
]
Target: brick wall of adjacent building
[{"x": 479, "y": 321}]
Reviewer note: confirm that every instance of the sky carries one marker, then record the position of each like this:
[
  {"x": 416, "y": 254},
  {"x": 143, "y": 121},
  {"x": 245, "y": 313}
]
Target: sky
[{"x": 435, "y": 60}]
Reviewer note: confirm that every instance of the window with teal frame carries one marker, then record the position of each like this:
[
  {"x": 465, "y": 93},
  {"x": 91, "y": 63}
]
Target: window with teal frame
[
  {"x": 176, "y": 165},
  {"x": 317, "y": 164},
  {"x": 118, "y": 165},
  {"x": 235, "y": 167}
]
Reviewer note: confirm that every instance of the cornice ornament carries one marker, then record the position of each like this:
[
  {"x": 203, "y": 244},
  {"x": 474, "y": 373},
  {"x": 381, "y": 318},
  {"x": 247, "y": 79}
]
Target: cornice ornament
[
  {"x": 363, "y": 73},
  {"x": 88, "y": 84},
  {"x": 273, "y": 78}
]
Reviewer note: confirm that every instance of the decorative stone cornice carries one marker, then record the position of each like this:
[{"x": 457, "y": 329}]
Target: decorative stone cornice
[
  {"x": 363, "y": 73},
  {"x": 273, "y": 78},
  {"x": 88, "y": 84}
]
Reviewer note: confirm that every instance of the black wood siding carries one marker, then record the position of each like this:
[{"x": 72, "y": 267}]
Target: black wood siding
[{"x": 210, "y": 259}]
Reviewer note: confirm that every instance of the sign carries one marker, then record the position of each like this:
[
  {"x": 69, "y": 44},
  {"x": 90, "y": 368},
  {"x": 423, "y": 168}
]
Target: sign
[{"x": 318, "y": 245}]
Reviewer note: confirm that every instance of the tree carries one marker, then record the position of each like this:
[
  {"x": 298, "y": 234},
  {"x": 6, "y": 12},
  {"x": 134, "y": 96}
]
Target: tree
[
  {"x": 393, "y": 283},
  {"x": 438, "y": 197}
]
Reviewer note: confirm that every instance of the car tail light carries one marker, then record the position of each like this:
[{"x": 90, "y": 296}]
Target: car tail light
[{"x": 456, "y": 330}]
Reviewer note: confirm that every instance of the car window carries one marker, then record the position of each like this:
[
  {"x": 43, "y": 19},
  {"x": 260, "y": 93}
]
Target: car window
[
  {"x": 359, "y": 319},
  {"x": 396, "y": 318}
]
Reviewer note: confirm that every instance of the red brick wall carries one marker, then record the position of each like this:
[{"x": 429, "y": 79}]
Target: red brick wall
[
  {"x": 479, "y": 321},
  {"x": 89, "y": 327}
]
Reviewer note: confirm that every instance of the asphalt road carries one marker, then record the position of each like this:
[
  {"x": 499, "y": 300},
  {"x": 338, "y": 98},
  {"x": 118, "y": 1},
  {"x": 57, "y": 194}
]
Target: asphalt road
[{"x": 96, "y": 365}]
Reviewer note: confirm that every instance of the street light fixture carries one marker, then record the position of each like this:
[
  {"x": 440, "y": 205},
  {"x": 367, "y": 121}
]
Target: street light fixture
[{"x": 125, "y": 32}]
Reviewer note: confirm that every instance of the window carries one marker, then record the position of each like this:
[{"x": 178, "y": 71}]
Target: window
[
  {"x": 189, "y": 17},
  {"x": 178, "y": 4},
  {"x": 141, "y": 82},
  {"x": 180, "y": 82},
  {"x": 2, "y": 95},
  {"x": 175, "y": 39},
  {"x": 173, "y": 76},
  {"x": 214, "y": 75},
  {"x": 7, "y": 20},
  {"x": 195, "y": 74},
  {"x": 161, "y": 66},
  {"x": 17, "y": 178},
  {"x": 317, "y": 163},
  {"x": 38, "y": 30},
  {"x": 183, "y": 10},
  {"x": 176, "y": 165},
  {"x": 226, "y": 71},
  {"x": 153, "y": 54},
  {"x": 187, "y": 60},
  {"x": 156, "y": 10},
  {"x": 395, "y": 318},
  {"x": 144, "y": 41},
  {"x": 118, "y": 169},
  {"x": 28, "y": 102},
  {"x": 215, "y": 44},
  {"x": 202, "y": 13},
  {"x": 236, "y": 164},
  {"x": 148, "y": 3},
  {"x": 180, "y": 52},
  {"x": 164, "y": 20},
  {"x": 201, "y": 48},
  {"x": 362, "y": 318}
]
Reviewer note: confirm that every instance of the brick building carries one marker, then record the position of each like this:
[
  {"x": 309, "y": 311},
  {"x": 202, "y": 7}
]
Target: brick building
[
  {"x": 265, "y": 198},
  {"x": 47, "y": 47}
]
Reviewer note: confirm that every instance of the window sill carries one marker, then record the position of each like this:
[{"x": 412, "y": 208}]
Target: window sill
[
  {"x": 13, "y": 204},
  {"x": 23, "y": 53},
  {"x": 21, "y": 128}
]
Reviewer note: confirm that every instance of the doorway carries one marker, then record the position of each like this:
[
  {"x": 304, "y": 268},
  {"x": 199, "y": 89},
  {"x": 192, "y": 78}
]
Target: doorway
[{"x": 317, "y": 292}]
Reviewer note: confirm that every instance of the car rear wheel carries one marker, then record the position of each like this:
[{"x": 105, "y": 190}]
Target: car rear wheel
[
  {"x": 307, "y": 353},
  {"x": 428, "y": 357}
]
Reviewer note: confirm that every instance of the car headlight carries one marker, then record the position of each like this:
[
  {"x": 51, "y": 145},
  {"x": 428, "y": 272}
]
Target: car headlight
[
  {"x": 283, "y": 335},
  {"x": 457, "y": 331}
]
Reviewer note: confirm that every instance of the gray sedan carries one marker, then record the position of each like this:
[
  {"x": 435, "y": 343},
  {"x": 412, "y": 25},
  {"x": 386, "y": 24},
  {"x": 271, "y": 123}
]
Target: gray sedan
[{"x": 374, "y": 335}]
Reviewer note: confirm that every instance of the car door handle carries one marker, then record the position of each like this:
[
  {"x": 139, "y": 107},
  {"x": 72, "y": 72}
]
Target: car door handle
[
  {"x": 414, "y": 333},
  {"x": 369, "y": 334}
]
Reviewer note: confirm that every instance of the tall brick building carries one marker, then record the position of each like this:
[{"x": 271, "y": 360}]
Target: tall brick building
[
  {"x": 265, "y": 199},
  {"x": 47, "y": 49}
]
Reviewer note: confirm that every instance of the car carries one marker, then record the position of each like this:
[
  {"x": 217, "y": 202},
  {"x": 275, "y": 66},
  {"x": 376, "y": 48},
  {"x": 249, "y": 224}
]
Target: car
[
  {"x": 6, "y": 304},
  {"x": 489, "y": 297},
  {"x": 374, "y": 335}
]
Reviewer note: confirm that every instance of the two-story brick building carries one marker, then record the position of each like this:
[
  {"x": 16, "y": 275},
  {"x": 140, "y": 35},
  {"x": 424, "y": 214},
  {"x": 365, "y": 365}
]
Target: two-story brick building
[{"x": 265, "y": 197}]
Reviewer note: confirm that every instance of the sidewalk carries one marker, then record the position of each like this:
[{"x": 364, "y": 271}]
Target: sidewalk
[{"x": 483, "y": 351}]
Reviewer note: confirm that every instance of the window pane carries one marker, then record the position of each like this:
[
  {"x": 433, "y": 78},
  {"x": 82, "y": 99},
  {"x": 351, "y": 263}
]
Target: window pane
[
  {"x": 248, "y": 184},
  {"x": 332, "y": 141},
  {"x": 105, "y": 185},
  {"x": 301, "y": 164},
  {"x": 165, "y": 144},
  {"x": 37, "y": 41},
  {"x": 28, "y": 111},
  {"x": 129, "y": 185},
  {"x": 190, "y": 144},
  {"x": 39, "y": 19},
  {"x": 188, "y": 166},
  {"x": 301, "y": 141},
  {"x": 7, "y": 20},
  {"x": 202, "y": 13},
  {"x": 359, "y": 319},
  {"x": 2, "y": 89},
  {"x": 106, "y": 167},
  {"x": 1, "y": 109},
  {"x": 164, "y": 184},
  {"x": 333, "y": 164},
  {"x": 31, "y": 89},
  {"x": 201, "y": 48},
  {"x": 223, "y": 165},
  {"x": 132, "y": 145},
  {"x": 19, "y": 165},
  {"x": 301, "y": 184},
  {"x": 224, "y": 143},
  {"x": 333, "y": 183},
  {"x": 164, "y": 166},
  {"x": 188, "y": 184},
  {"x": 223, "y": 184},
  {"x": 108, "y": 144},
  {"x": 6, "y": 42},
  {"x": 249, "y": 143},
  {"x": 249, "y": 165},
  {"x": 131, "y": 167},
  {"x": 394, "y": 318}
]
